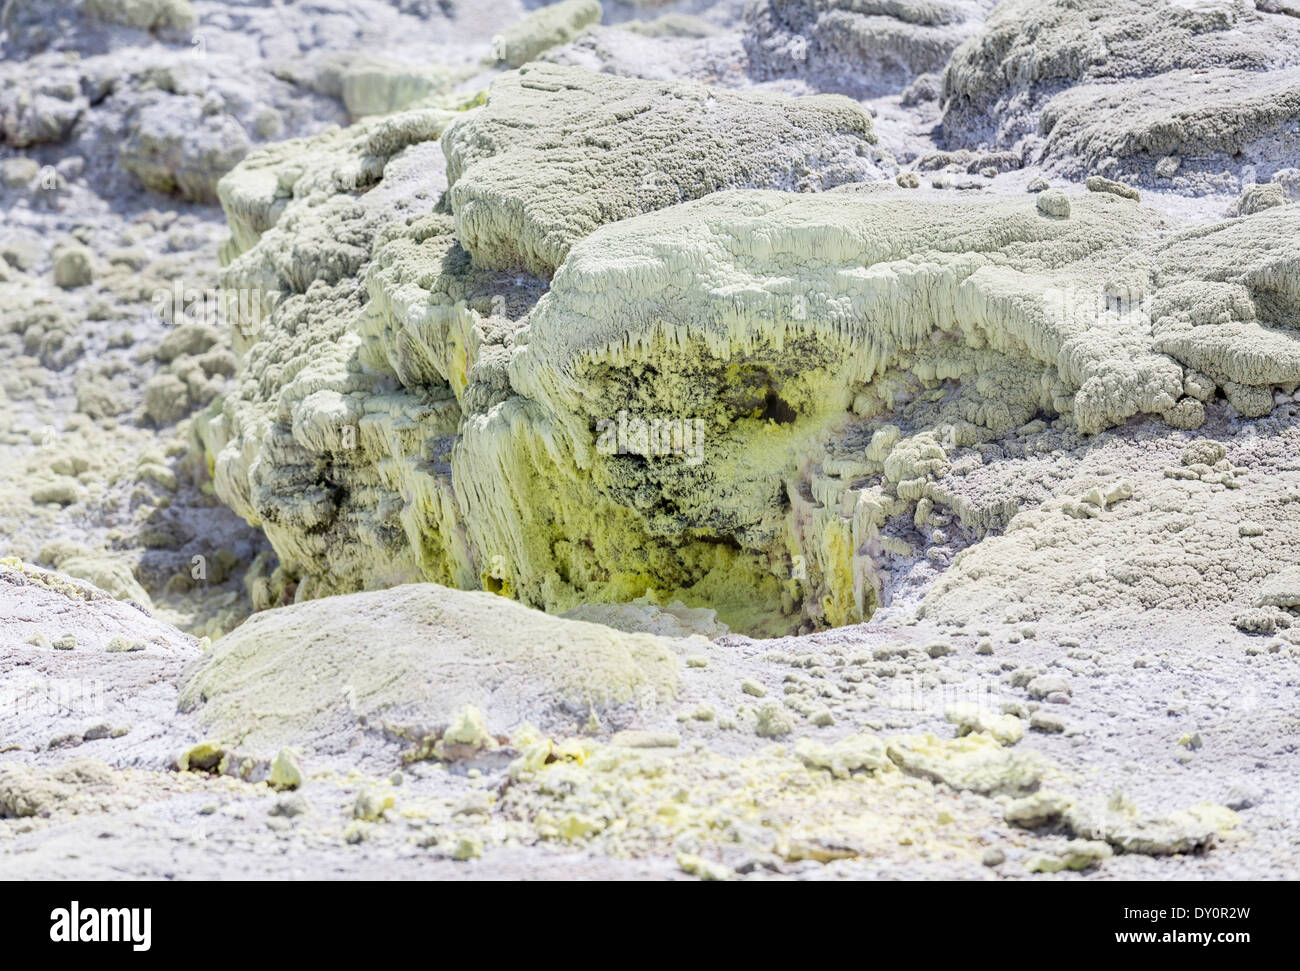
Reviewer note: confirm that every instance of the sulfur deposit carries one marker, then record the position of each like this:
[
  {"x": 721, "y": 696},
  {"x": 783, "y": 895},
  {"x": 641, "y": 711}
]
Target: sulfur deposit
[{"x": 602, "y": 439}]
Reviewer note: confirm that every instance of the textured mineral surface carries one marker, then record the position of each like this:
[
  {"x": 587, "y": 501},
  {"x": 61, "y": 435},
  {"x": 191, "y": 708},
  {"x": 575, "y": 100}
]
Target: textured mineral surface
[{"x": 694, "y": 439}]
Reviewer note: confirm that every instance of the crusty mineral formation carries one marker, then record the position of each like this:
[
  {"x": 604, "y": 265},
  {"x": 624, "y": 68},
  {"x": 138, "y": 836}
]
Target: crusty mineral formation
[
  {"x": 863, "y": 48},
  {"x": 558, "y": 152},
  {"x": 1203, "y": 96},
  {"x": 724, "y": 401},
  {"x": 304, "y": 459},
  {"x": 294, "y": 675},
  {"x": 846, "y": 439}
]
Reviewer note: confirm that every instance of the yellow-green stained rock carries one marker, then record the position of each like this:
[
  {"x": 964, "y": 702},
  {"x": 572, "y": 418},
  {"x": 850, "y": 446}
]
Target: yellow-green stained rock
[
  {"x": 123, "y": 645},
  {"x": 373, "y": 85},
  {"x": 468, "y": 728},
  {"x": 1038, "y": 809},
  {"x": 759, "y": 365},
  {"x": 973, "y": 762},
  {"x": 641, "y": 739},
  {"x": 467, "y": 848},
  {"x": 856, "y": 753},
  {"x": 1099, "y": 183},
  {"x": 1075, "y": 855},
  {"x": 371, "y": 804},
  {"x": 466, "y": 736},
  {"x": 773, "y": 721},
  {"x": 544, "y": 28},
  {"x": 971, "y": 717},
  {"x": 413, "y": 655},
  {"x": 704, "y": 869},
  {"x": 461, "y": 419},
  {"x": 31, "y": 790},
  {"x": 62, "y": 491},
  {"x": 1119, "y": 822},
  {"x": 73, "y": 267},
  {"x": 145, "y": 14},
  {"x": 207, "y": 756},
  {"x": 557, "y": 152},
  {"x": 285, "y": 771},
  {"x": 107, "y": 572}
]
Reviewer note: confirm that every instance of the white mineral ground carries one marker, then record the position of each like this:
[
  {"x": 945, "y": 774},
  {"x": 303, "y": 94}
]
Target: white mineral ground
[{"x": 965, "y": 544}]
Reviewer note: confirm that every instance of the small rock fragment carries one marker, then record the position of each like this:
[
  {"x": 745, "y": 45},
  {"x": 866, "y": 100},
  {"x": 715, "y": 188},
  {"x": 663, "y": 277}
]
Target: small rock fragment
[
  {"x": 970, "y": 717},
  {"x": 73, "y": 267},
  {"x": 773, "y": 721},
  {"x": 371, "y": 803},
  {"x": 639, "y": 739},
  {"x": 1037, "y": 810},
  {"x": 467, "y": 848},
  {"x": 1042, "y": 721},
  {"x": 285, "y": 772},
  {"x": 1099, "y": 183},
  {"x": 1054, "y": 203},
  {"x": 1047, "y": 684}
]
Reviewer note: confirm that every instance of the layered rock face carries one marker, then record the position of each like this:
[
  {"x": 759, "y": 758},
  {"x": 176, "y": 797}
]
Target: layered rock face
[
  {"x": 863, "y": 48},
  {"x": 1200, "y": 96},
  {"x": 559, "y": 152},
  {"x": 350, "y": 465},
  {"x": 578, "y": 386}
]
